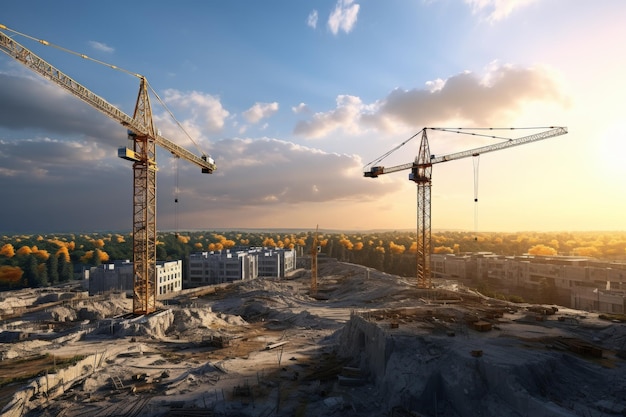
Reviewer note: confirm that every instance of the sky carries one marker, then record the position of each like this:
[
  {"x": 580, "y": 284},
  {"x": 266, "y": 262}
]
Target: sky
[{"x": 294, "y": 99}]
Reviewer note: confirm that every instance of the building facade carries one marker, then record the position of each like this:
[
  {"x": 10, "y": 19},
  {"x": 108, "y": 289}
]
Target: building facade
[
  {"x": 218, "y": 267},
  {"x": 118, "y": 276},
  {"x": 581, "y": 283}
]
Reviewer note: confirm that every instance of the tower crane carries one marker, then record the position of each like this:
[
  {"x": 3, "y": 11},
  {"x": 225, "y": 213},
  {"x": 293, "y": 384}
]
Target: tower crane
[
  {"x": 421, "y": 174},
  {"x": 145, "y": 137}
]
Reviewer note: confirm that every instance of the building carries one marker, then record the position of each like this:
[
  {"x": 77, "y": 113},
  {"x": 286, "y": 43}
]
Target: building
[
  {"x": 576, "y": 282},
  {"x": 223, "y": 266},
  {"x": 118, "y": 276}
]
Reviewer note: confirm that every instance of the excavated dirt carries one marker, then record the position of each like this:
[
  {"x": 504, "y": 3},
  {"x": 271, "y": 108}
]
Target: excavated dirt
[{"x": 366, "y": 344}]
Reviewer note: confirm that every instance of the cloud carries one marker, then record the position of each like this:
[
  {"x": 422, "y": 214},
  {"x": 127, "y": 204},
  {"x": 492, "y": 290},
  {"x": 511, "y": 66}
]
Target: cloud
[
  {"x": 274, "y": 183},
  {"x": 311, "y": 20},
  {"x": 300, "y": 108},
  {"x": 480, "y": 101},
  {"x": 39, "y": 158},
  {"x": 37, "y": 104},
  {"x": 343, "y": 17},
  {"x": 265, "y": 172},
  {"x": 205, "y": 110},
  {"x": 260, "y": 111},
  {"x": 497, "y": 9},
  {"x": 346, "y": 116},
  {"x": 102, "y": 47}
]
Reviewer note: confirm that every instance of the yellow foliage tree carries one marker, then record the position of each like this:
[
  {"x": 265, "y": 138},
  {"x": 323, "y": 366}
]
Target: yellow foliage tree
[
  {"x": 542, "y": 250},
  {"x": 269, "y": 242},
  {"x": 395, "y": 248},
  {"x": 443, "y": 249},
  {"x": 588, "y": 251},
  {"x": 24, "y": 250},
  {"x": 104, "y": 257},
  {"x": 198, "y": 245},
  {"x": 10, "y": 274},
  {"x": 228, "y": 243},
  {"x": 86, "y": 257},
  {"x": 41, "y": 253},
  {"x": 345, "y": 242},
  {"x": 63, "y": 252},
  {"x": 7, "y": 250}
]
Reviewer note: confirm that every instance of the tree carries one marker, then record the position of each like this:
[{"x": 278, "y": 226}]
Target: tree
[
  {"x": 66, "y": 269},
  {"x": 31, "y": 272},
  {"x": 10, "y": 275},
  {"x": 7, "y": 250},
  {"x": 542, "y": 250},
  {"x": 52, "y": 264}
]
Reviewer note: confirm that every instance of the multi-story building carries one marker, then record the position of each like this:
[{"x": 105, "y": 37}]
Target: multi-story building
[
  {"x": 118, "y": 276},
  {"x": 577, "y": 282},
  {"x": 217, "y": 267}
]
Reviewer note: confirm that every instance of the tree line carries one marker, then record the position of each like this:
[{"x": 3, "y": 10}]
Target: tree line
[{"x": 41, "y": 260}]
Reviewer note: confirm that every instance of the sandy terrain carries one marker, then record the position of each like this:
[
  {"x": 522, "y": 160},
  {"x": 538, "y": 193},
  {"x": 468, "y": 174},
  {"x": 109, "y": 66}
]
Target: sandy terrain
[{"x": 368, "y": 344}]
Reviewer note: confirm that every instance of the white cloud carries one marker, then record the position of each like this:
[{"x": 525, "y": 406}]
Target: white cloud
[
  {"x": 312, "y": 19},
  {"x": 260, "y": 111},
  {"x": 490, "y": 99},
  {"x": 480, "y": 101},
  {"x": 206, "y": 110},
  {"x": 102, "y": 47},
  {"x": 497, "y": 9},
  {"x": 300, "y": 108},
  {"x": 337, "y": 176},
  {"x": 343, "y": 17},
  {"x": 345, "y": 116}
]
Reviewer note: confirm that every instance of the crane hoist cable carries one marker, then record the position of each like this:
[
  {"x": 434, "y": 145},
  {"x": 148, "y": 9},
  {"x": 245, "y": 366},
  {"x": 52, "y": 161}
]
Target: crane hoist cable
[
  {"x": 176, "y": 193},
  {"x": 115, "y": 67},
  {"x": 476, "y": 162}
]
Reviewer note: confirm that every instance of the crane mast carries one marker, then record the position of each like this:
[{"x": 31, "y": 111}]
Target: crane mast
[
  {"x": 421, "y": 174},
  {"x": 143, "y": 155}
]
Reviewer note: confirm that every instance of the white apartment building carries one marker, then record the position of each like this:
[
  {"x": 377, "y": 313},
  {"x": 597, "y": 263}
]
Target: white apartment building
[
  {"x": 118, "y": 276},
  {"x": 588, "y": 284},
  {"x": 218, "y": 267}
]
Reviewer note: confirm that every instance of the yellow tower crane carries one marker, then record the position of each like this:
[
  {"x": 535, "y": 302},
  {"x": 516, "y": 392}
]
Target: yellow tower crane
[
  {"x": 143, "y": 155},
  {"x": 421, "y": 174}
]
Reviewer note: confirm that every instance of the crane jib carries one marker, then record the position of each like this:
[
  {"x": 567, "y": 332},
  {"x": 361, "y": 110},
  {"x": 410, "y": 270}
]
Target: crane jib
[
  {"x": 554, "y": 131},
  {"x": 23, "y": 55}
]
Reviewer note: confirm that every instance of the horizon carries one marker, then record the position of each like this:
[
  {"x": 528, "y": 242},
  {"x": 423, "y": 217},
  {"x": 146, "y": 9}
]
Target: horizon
[{"x": 310, "y": 230}]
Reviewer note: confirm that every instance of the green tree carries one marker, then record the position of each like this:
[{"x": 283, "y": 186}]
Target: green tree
[
  {"x": 32, "y": 276},
  {"x": 52, "y": 266},
  {"x": 66, "y": 270}
]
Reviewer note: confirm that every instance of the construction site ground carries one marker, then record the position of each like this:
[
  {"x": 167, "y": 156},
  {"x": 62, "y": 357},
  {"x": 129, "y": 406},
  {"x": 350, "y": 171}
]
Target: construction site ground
[{"x": 365, "y": 344}]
